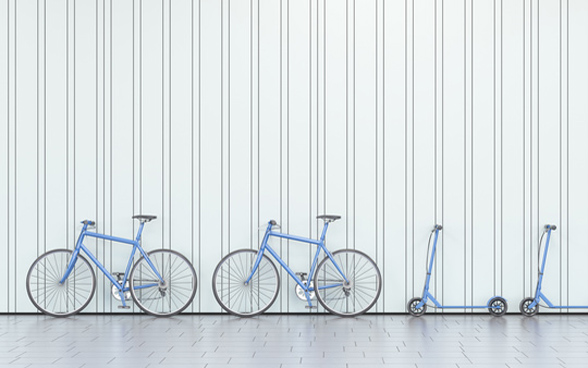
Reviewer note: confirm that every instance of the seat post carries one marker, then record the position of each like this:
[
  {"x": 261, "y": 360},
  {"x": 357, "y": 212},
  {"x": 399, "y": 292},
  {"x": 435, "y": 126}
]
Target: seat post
[
  {"x": 325, "y": 227},
  {"x": 140, "y": 230}
]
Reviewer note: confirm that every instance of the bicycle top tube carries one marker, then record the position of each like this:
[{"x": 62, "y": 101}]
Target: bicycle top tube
[
  {"x": 327, "y": 218},
  {"x": 142, "y": 218}
]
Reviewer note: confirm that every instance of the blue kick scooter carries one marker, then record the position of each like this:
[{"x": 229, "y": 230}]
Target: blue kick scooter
[
  {"x": 530, "y": 306},
  {"x": 497, "y": 305}
]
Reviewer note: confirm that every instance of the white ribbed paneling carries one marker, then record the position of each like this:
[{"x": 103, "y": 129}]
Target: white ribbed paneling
[{"x": 220, "y": 115}]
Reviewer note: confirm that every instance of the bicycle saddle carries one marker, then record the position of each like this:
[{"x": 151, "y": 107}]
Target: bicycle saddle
[
  {"x": 145, "y": 218},
  {"x": 329, "y": 218}
]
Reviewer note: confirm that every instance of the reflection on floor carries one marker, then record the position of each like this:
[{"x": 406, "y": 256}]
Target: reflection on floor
[{"x": 294, "y": 341}]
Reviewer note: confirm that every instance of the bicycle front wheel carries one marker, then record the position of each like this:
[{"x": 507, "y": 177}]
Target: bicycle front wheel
[
  {"x": 238, "y": 297},
  {"x": 355, "y": 292},
  {"x": 53, "y": 298},
  {"x": 167, "y": 298}
]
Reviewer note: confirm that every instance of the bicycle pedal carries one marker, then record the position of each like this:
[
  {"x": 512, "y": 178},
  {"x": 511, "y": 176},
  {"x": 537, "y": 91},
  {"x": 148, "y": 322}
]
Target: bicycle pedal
[{"x": 124, "y": 307}]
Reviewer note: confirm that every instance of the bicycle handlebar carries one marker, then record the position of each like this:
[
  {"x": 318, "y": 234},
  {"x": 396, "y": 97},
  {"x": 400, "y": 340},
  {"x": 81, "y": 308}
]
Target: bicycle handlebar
[
  {"x": 550, "y": 227},
  {"x": 438, "y": 227},
  {"x": 88, "y": 222}
]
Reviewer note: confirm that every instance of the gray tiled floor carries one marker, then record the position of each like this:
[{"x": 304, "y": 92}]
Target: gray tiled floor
[{"x": 294, "y": 341}]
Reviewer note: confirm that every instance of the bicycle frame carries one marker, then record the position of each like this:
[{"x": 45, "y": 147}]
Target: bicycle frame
[
  {"x": 428, "y": 296},
  {"x": 538, "y": 293},
  {"x": 136, "y": 246},
  {"x": 321, "y": 246}
]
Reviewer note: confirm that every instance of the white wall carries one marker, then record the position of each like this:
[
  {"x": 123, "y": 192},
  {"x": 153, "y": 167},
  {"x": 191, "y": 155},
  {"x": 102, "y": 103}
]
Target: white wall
[{"x": 218, "y": 115}]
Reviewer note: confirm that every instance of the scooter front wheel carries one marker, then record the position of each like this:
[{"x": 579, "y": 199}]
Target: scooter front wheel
[
  {"x": 526, "y": 310},
  {"x": 497, "y": 306},
  {"x": 411, "y": 306}
]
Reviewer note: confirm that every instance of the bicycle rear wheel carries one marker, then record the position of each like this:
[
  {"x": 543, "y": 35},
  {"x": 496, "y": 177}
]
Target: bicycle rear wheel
[
  {"x": 174, "y": 294},
  {"x": 53, "y": 298},
  {"x": 354, "y": 296},
  {"x": 238, "y": 298}
]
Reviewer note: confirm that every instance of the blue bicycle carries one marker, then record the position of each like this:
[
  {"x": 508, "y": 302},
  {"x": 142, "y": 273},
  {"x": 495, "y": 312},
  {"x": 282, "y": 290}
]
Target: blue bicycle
[
  {"x": 346, "y": 282},
  {"x": 162, "y": 282}
]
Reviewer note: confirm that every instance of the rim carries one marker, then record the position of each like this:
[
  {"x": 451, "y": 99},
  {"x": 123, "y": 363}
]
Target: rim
[
  {"x": 412, "y": 307},
  {"x": 497, "y": 303}
]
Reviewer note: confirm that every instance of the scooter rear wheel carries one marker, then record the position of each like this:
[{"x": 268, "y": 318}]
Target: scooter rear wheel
[
  {"x": 524, "y": 307},
  {"x": 413, "y": 310},
  {"x": 497, "y": 306}
]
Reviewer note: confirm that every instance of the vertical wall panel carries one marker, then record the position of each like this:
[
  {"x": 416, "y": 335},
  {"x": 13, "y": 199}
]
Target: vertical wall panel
[
  {"x": 210, "y": 181},
  {"x": 85, "y": 132},
  {"x": 394, "y": 159},
  {"x": 181, "y": 132},
  {"x": 577, "y": 109},
  {"x": 455, "y": 208},
  {"x": 549, "y": 140},
  {"x": 25, "y": 146},
  {"x": 41, "y": 126},
  {"x": 336, "y": 121},
  {"x": 365, "y": 132},
  {"x": 121, "y": 124},
  {"x": 218, "y": 116},
  {"x": 11, "y": 153},
  {"x": 513, "y": 164},
  {"x": 4, "y": 153},
  {"x": 152, "y": 120},
  {"x": 299, "y": 145},
  {"x": 271, "y": 80},
  {"x": 101, "y": 176},
  {"x": 483, "y": 143},
  {"x": 497, "y": 229},
  {"x": 240, "y": 124},
  {"x": 423, "y": 139},
  {"x": 409, "y": 241},
  {"x": 532, "y": 130},
  {"x": 56, "y": 127}
]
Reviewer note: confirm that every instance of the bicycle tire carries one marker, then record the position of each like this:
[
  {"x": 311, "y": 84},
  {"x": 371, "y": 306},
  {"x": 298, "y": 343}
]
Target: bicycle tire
[
  {"x": 355, "y": 297},
  {"x": 171, "y": 297},
  {"x": 53, "y": 298},
  {"x": 230, "y": 291}
]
